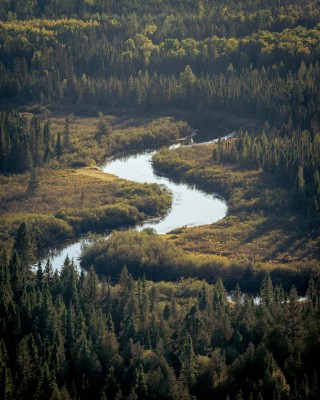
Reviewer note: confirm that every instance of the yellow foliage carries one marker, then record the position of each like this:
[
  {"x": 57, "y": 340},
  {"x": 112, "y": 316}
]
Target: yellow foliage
[{"x": 45, "y": 27}]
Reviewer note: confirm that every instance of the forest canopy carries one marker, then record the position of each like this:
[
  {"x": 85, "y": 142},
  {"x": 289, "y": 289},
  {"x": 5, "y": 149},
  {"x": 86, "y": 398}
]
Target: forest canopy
[{"x": 152, "y": 318}]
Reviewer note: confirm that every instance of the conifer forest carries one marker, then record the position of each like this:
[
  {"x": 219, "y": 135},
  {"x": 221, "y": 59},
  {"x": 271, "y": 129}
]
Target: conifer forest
[{"x": 220, "y": 99}]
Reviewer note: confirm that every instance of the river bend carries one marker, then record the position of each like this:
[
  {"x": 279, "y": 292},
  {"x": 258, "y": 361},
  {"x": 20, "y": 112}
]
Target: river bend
[{"x": 190, "y": 206}]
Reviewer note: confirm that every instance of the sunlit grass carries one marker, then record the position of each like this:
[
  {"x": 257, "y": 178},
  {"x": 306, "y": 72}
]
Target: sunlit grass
[
  {"x": 72, "y": 194},
  {"x": 259, "y": 227}
]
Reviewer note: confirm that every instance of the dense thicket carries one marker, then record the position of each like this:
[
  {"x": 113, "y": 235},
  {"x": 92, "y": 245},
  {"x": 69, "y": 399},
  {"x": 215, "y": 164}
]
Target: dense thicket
[{"x": 71, "y": 336}]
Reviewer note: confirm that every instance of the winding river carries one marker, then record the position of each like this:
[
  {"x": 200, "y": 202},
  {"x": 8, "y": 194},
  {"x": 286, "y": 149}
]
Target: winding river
[{"x": 190, "y": 206}]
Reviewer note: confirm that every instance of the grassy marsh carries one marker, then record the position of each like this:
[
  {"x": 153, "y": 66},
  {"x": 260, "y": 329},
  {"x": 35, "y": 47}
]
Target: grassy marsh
[
  {"x": 72, "y": 195},
  {"x": 259, "y": 227}
]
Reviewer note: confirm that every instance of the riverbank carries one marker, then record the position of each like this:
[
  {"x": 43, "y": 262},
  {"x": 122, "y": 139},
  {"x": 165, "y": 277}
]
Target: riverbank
[
  {"x": 259, "y": 232},
  {"x": 69, "y": 202},
  {"x": 138, "y": 168},
  {"x": 256, "y": 236},
  {"x": 93, "y": 139},
  {"x": 241, "y": 248},
  {"x": 69, "y": 195}
]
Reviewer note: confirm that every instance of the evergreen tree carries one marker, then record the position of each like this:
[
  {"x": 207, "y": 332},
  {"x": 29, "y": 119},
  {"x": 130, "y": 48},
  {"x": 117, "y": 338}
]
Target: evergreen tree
[
  {"x": 91, "y": 290},
  {"x": 203, "y": 298},
  {"x": 140, "y": 387},
  {"x": 188, "y": 362},
  {"x": 23, "y": 244},
  {"x": 58, "y": 147},
  {"x": 27, "y": 369},
  {"x": 6, "y": 293},
  {"x": 46, "y": 384},
  {"x": 293, "y": 319},
  {"x": 266, "y": 291}
]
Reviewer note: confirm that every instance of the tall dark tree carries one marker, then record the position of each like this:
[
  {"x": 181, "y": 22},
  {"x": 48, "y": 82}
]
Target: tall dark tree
[{"x": 24, "y": 245}]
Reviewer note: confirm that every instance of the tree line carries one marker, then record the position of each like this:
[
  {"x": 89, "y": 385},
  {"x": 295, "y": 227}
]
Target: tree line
[
  {"x": 293, "y": 161},
  {"x": 66, "y": 335},
  {"x": 114, "y": 63},
  {"x": 26, "y": 142},
  {"x": 193, "y": 17}
]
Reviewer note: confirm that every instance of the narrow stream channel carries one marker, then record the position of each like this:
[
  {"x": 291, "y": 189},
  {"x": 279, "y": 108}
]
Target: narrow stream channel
[{"x": 190, "y": 206}]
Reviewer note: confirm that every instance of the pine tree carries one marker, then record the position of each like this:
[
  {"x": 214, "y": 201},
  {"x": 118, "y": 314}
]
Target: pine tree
[
  {"x": 236, "y": 295},
  {"x": 58, "y": 147},
  {"x": 48, "y": 271},
  {"x": 17, "y": 277},
  {"x": 46, "y": 384},
  {"x": 141, "y": 384},
  {"x": 70, "y": 329},
  {"x": 203, "y": 298},
  {"x": 131, "y": 330},
  {"x": 293, "y": 318},
  {"x": 266, "y": 291},
  {"x": 27, "y": 377},
  {"x": 23, "y": 245},
  {"x": 91, "y": 290},
  {"x": 188, "y": 362},
  {"x": 109, "y": 323},
  {"x": 219, "y": 295},
  {"x": 39, "y": 276},
  {"x": 6, "y": 293},
  {"x": 144, "y": 305},
  {"x": 311, "y": 295},
  {"x": 47, "y": 153},
  {"x": 69, "y": 280},
  {"x": 187, "y": 81}
]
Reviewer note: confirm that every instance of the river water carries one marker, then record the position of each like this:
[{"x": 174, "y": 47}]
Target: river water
[{"x": 190, "y": 206}]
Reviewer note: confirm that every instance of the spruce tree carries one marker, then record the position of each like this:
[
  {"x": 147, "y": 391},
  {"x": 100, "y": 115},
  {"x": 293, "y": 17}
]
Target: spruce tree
[
  {"x": 203, "y": 298},
  {"x": 293, "y": 319},
  {"x": 266, "y": 291},
  {"x": 58, "y": 147},
  {"x": 141, "y": 384},
  {"x": 23, "y": 244},
  {"x": 188, "y": 362},
  {"x": 6, "y": 293}
]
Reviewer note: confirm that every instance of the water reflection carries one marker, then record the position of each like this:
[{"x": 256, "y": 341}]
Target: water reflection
[{"x": 190, "y": 207}]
